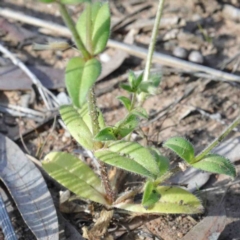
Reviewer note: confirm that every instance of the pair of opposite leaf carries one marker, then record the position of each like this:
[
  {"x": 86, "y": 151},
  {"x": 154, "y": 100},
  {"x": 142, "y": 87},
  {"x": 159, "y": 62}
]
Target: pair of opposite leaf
[
  {"x": 137, "y": 85},
  {"x": 211, "y": 162},
  {"x": 93, "y": 28}
]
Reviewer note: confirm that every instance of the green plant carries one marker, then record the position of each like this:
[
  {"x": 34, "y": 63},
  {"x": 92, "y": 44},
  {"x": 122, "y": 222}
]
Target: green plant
[{"x": 111, "y": 145}]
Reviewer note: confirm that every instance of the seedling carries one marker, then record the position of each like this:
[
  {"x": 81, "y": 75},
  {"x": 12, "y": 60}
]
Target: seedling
[{"x": 111, "y": 145}]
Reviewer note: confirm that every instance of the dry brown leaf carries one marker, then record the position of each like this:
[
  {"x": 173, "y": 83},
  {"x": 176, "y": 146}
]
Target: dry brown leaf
[{"x": 100, "y": 227}]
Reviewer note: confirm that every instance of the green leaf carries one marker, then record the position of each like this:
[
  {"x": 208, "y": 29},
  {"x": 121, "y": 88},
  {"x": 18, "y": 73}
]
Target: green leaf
[
  {"x": 100, "y": 26},
  {"x": 74, "y": 1},
  {"x": 216, "y": 164},
  {"x": 75, "y": 175},
  {"x": 76, "y": 126},
  {"x": 148, "y": 87},
  {"x": 126, "y": 87},
  {"x": 135, "y": 152},
  {"x": 150, "y": 195},
  {"x": 134, "y": 80},
  {"x": 162, "y": 162},
  {"x": 138, "y": 80},
  {"x": 47, "y": 1},
  {"x": 125, "y": 163},
  {"x": 101, "y": 29},
  {"x": 155, "y": 78},
  {"x": 84, "y": 113},
  {"x": 127, "y": 125},
  {"x": 125, "y": 101},
  {"x": 182, "y": 147},
  {"x": 131, "y": 78},
  {"x": 80, "y": 77},
  {"x": 172, "y": 200},
  {"x": 106, "y": 134},
  {"x": 139, "y": 111}
]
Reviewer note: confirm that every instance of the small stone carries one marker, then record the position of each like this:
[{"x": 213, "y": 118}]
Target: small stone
[
  {"x": 195, "y": 56},
  {"x": 179, "y": 234},
  {"x": 104, "y": 57},
  {"x": 63, "y": 98},
  {"x": 64, "y": 139},
  {"x": 174, "y": 228},
  {"x": 231, "y": 12},
  {"x": 180, "y": 52},
  {"x": 172, "y": 34}
]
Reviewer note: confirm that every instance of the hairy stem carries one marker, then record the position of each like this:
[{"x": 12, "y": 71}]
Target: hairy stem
[
  {"x": 133, "y": 101},
  {"x": 91, "y": 100},
  {"x": 71, "y": 26},
  {"x": 218, "y": 139},
  {"x": 92, "y": 109},
  {"x": 152, "y": 46}
]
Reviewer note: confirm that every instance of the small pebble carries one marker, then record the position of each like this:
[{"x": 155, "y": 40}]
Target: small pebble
[
  {"x": 104, "y": 57},
  {"x": 63, "y": 98},
  {"x": 231, "y": 12},
  {"x": 180, "y": 52},
  {"x": 179, "y": 234},
  {"x": 195, "y": 56}
]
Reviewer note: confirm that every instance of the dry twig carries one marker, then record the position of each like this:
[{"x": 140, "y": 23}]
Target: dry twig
[{"x": 166, "y": 60}]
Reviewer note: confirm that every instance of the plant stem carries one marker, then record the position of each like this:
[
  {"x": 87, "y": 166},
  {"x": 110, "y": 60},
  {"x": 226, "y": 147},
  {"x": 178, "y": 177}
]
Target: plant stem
[
  {"x": 91, "y": 101},
  {"x": 218, "y": 139},
  {"x": 152, "y": 46},
  {"x": 92, "y": 109},
  {"x": 133, "y": 101},
  {"x": 71, "y": 25}
]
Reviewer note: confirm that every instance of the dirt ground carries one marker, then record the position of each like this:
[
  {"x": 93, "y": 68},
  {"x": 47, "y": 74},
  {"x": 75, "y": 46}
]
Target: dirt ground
[{"x": 195, "y": 107}]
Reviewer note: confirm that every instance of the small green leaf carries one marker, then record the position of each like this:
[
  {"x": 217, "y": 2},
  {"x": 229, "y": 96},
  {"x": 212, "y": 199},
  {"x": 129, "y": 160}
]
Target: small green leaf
[
  {"x": 148, "y": 87},
  {"x": 150, "y": 195},
  {"x": 139, "y": 111},
  {"x": 136, "y": 152},
  {"x": 182, "y": 147},
  {"x": 138, "y": 80},
  {"x": 125, "y": 101},
  {"x": 216, "y": 164},
  {"x": 101, "y": 29},
  {"x": 100, "y": 26},
  {"x": 162, "y": 162},
  {"x": 106, "y": 134},
  {"x": 127, "y": 125},
  {"x": 125, "y": 163},
  {"x": 126, "y": 87},
  {"x": 155, "y": 78},
  {"x": 80, "y": 77},
  {"x": 172, "y": 200},
  {"x": 75, "y": 175},
  {"x": 76, "y": 126},
  {"x": 134, "y": 80},
  {"x": 74, "y": 1},
  {"x": 131, "y": 79}
]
